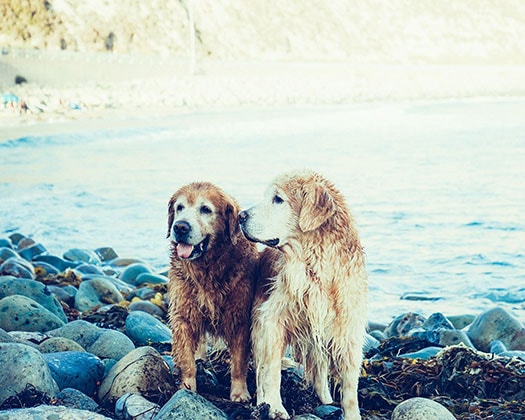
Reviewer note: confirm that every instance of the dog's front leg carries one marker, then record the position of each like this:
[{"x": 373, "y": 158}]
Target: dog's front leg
[
  {"x": 268, "y": 348},
  {"x": 349, "y": 382},
  {"x": 184, "y": 347},
  {"x": 239, "y": 349},
  {"x": 319, "y": 368}
]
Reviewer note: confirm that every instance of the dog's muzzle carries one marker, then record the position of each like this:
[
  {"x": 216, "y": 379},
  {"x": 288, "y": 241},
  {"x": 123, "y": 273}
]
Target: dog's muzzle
[
  {"x": 181, "y": 232},
  {"x": 243, "y": 218}
]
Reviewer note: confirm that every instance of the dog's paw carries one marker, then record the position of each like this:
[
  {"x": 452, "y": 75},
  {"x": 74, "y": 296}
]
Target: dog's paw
[
  {"x": 242, "y": 396},
  {"x": 239, "y": 392},
  {"x": 277, "y": 411},
  {"x": 189, "y": 383}
]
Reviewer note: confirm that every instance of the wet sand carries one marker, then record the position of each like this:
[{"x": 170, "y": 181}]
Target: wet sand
[{"x": 66, "y": 91}]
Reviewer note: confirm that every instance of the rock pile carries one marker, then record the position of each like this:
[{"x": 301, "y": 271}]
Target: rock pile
[{"x": 86, "y": 336}]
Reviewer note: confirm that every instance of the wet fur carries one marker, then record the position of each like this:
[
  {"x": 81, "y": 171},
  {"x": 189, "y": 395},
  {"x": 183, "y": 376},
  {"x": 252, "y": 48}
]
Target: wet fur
[
  {"x": 312, "y": 297},
  {"x": 213, "y": 294}
]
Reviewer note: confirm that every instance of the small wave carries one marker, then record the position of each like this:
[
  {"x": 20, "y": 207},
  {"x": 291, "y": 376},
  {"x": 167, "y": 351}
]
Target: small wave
[
  {"x": 516, "y": 295},
  {"x": 494, "y": 226},
  {"x": 419, "y": 296}
]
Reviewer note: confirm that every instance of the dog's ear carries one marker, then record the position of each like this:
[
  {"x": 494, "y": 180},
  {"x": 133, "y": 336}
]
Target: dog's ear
[
  {"x": 171, "y": 215},
  {"x": 317, "y": 207},
  {"x": 233, "y": 230}
]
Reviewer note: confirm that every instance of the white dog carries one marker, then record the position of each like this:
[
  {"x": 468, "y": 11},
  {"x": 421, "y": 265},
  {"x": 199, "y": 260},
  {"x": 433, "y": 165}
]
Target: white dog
[{"x": 313, "y": 291}]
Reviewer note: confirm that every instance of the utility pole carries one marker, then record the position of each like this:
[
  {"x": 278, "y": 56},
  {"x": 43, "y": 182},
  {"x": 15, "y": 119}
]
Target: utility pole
[{"x": 192, "y": 37}]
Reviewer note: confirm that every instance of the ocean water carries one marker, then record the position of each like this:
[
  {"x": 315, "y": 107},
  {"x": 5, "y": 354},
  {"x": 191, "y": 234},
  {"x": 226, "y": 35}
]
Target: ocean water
[{"x": 437, "y": 189}]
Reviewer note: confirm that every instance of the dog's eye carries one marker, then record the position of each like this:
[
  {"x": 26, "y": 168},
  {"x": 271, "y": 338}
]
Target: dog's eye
[
  {"x": 277, "y": 200},
  {"x": 205, "y": 210},
  {"x": 179, "y": 208}
]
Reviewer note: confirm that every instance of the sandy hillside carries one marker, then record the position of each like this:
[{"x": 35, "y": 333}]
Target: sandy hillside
[{"x": 371, "y": 31}]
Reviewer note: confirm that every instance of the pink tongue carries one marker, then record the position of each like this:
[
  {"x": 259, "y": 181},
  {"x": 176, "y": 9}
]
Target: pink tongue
[{"x": 184, "y": 250}]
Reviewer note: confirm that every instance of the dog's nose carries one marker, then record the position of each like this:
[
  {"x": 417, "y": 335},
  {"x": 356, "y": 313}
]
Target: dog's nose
[
  {"x": 181, "y": 227},
  {"x": 243, "y": 216}
]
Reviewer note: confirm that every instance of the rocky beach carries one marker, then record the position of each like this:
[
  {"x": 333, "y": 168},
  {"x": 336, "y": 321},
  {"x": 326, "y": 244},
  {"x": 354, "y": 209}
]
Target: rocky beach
[{"x": 85, "y": 335}]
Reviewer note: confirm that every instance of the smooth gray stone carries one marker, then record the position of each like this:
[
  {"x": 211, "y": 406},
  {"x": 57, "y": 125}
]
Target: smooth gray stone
[
  {"x": 16, "y": 237},
  {"x": 65, "y": 294},
  {"x": 437, "y": 321},
  {"x": 82, "y": 255},
  {"x": 143, "y": 293},
  {"x": 496, "y": 346},
  {"x": 75, "y": 369},
  {"x": 146, "y": 306},
  {"x": 323, "y": 411},
  {"x": 372, "y": 325},
  {"x": 370, "y": 343},
  {"x": 423, "y": 354},
  {"x": 142, "y": 371},
  {"x": 31, "y": 338},
  {"x": 111, "y": 344},
  {"x": 124, "y": 262},
  {"x": 461, "y": 321},
  {"x": 121, "y": 286},
  {"x": 402, "y": 324},
  {"x": 19, "y": 313},
  {"x": 132, "y": 272},
  {"x": 135, "y": 407},
  {"x": 378, "y": 335},
  {"x": 86, "y": 268},
  {"x": 17, "y": 267},
  {"x": 22, "y": 365},
  {"x": 59, "y": 344},
  {"x": 32, "y": 289},
  {"x": 145, "y": 329},
  {"x": 453, "y": 338},
  {"x": 102, "y": 342},
  {"x": 95, "y": 293},
  {"x": 106, "y": 253},
  {"x": 82, "y": 332},
  {"x": 73, "y": 398},
  {"x": 5, "y": 243},
  {"x": 32, "y": 251},
  {"x": 24, "y": 243},
  {"x": 6, "y": 253},
  {"x": 150, "y": 278},
  {"x": 50, "y": 412},
  {"x": 421, "y": 409},
  {"x": 5, "y": 337},
  {"x": 497, "y": 324},
  {"x": 43, "y": 269},
  {"x": 57, "y": 262},
  {"x": 188, "y": 405}
]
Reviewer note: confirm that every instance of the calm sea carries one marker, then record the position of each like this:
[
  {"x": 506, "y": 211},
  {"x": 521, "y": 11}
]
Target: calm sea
[{"x": 437, "y": 189}]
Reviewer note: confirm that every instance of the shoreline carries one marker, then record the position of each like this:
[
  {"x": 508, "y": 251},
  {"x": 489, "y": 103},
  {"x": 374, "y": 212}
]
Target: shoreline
[{"x": 116, "y": 88}]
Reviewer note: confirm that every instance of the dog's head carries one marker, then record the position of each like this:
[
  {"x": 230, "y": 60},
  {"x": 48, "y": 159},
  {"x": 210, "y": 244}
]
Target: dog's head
[
  {"x": 201, "y": 215},
  {"x": 295, "y": 203}
]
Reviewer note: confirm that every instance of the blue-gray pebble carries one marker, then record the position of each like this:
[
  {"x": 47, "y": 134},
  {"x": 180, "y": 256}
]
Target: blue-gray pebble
[
  {"x": 22, "y": 365},
  {"x": 188, "y": 405},
  {"x": 19, "y": 313},
  {"x": 145, "y": 329},
  {"x": 34, "y": 290},
  {"x": 74, "y": 369}
]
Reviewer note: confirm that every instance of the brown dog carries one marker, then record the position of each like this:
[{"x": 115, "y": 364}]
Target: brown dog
[
  {"x": 212, "y": 284},
  {"x": 314, "y": 297}
]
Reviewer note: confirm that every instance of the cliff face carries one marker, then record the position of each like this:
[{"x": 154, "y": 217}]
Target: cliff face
[{"x": 371, "y": 31}]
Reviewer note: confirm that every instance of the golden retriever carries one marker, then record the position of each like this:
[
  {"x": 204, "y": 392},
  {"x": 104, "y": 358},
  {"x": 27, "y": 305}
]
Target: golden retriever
[
  {"x": 212, "y": 281},
  {"x": 314, "y": 297}
]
